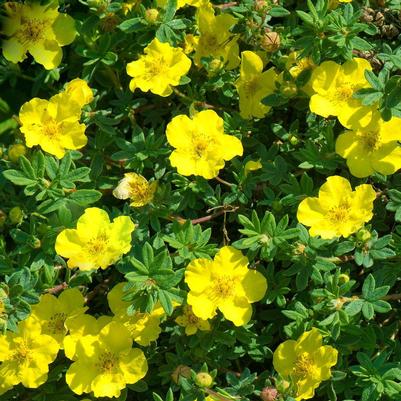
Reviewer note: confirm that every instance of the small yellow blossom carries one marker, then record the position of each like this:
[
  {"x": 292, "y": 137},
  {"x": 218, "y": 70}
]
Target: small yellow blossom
[
  {"x": 104, "y": 364},
  {"x": 201, "y": 145},
  {"x": 161, "y": 67},
  {"x": 215, "y": 38},
  {"x": 254, "y": 85},
  {"x": 96, "y": 242},
  {"x": 338, "y": 211},
  {"x": 136, "y": 188},
  {"x": 143, "y": 327},
  {"x": 225, "y": 283},
  {"x": 128, "y": 5},
  {"x": 52, "y": 313},
  {"x": 305, "y": 363},
  {"x": 190, "y": 43},
  {"x": 36, "y": 29},
  {"x": 79, "y": 91},
  {"x": 25, "y": 356},
  {"x": 53, "y": 124},
  {"x": 252, "y": 165},
  {"x": 296, "y": 66},
  {"x": 334, "y": 86},
  {"x": 372, "y": 149},
  {"x": 191, "y": 322}
]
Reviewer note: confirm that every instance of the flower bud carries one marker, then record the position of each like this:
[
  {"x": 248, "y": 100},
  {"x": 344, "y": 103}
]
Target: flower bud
[
  {"x": 203, "y": 379},
  {"x": 343, "y": 278},
  {"x": 363, "y": 235},
  {"x": 151, "y": 15},
  {"x": 16, "y": 151},
  {"x": 269, "y": 394},
  {"x": 181, "y": 370},
  {"x": 293, "y": 140},
  {"x": 270, "y": 41},
  {"x": 16, "y": 215}
]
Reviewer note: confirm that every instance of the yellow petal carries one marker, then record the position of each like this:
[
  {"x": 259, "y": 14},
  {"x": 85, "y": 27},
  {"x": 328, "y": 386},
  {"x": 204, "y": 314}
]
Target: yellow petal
[{"x": 284, "y": 358}]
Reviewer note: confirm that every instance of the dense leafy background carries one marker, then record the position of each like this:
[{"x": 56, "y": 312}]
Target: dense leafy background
[{"x": 255, "y": 212}]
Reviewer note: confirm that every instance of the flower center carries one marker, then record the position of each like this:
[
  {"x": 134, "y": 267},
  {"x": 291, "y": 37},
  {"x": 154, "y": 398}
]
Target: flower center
[
  {"x": 339, "y": 213},
  {"x": 304, "y": 366},
  {"x": 107, "y": 362},
  {"x": 98, "y": 245},
  {"x": 156, "y": 66},
  {"x": 51, "y": 129},
  {"x": 344, "y": 91},
  {"x": 139, "y": 190},
  {"x": 210, "y": 43},
  {"x": 22, "y": 353},
  {"x": 251, "y": 86},
  {"x": 55, "y": 325},
  {"x": 31, "y": 31},
  {"x": 224, "y": 287},
  {"x": 371, "y": 140},
  {"x": 200, "y": 143}
]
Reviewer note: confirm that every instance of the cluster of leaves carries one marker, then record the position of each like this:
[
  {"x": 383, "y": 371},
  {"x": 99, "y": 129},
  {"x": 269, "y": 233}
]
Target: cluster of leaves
[{"x": 348, "y": 288}]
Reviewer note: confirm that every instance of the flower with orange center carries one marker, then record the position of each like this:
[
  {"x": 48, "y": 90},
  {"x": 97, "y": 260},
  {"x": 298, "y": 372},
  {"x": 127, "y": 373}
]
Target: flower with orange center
[{"x": 226, "y": 284}]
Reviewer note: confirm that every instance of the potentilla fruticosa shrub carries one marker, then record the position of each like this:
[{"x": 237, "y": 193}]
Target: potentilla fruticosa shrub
[{"x": 200, "y": 199}]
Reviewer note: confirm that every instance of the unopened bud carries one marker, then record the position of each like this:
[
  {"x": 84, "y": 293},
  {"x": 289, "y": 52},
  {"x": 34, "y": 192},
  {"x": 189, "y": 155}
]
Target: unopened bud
[
  {"x": 16, "y": 215},
  {"x": 203, "y": 379},
  {"x": 363, "y": 235},
  {"x": 151, "y": 15},
  {"x": 16, "y": 151},
  {"x": 269, "y": 394}
]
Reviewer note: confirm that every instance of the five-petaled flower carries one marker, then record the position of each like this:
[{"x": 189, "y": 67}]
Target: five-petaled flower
[
  {"x": 305, "y": 363},
  {"x": 96, "y": 242},
  {"x": 161, "y": 67},
  {"x": 136, "y": 188},
  {"x": 36, "y": 29},
  {"x": 105, "y": 363},
  {"x": 25, "y": 356},
  {"x": 225, "y": 283},
  {"x": 253, "y": 85},
  {"x": 54, "y": 124},
  {"x": 201, "y": 144},
  {"x": 334, "y": 86},
  {"x": 374, "y": 148},
  {"x": 215, "y": 38},
  {"x": 338, "y": 210},
  {"x": 53, "y": 313}
]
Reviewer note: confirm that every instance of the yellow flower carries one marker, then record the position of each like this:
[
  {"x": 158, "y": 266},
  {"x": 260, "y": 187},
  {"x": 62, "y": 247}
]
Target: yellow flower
[
  {"x": 52, "y": 313},
  {"x": 128, "y": 5},
  {"x": 338, "y": 211},
  {"x": 253, "y": 85},
  {"x": 371, "y": 149},
  {"x": 182, "y": 3},
  {"x": 143, "y": 327},
  {"x": 226, "y": 284},
  {"x": 334, "y": 86},
  {"x": 53, "y": 124},
  {"x": 252, "y": 165},
  {"x": 80, "y": 326},
  {"x": 106, "y": 363},
  {"x": 190, "y": 43},
  {"x": 79, "y": 91},
  {"x": 201, "y": 145},
  {"x": 191, "y": 322},
  {"x": 215, "y": 38},
  {"x": 101, "y": 245},
  {"x": 38, "y": 30},
  {"x": 161, "y": 67},
  {"x": 136, "y": 188},
  {"x": 305, "y": 362},
  {"x": 296, "y": 66},
  {"x": 25, "y": 356}
]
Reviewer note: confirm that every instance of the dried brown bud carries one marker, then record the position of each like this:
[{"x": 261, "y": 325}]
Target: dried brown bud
[
  {"x": 390, "y": 31},
  {"x": 269, "y": 394},
  {"x": 181, "y": 370},
  {"x": 379, "y": 19},
  {"x": 109, "y": 22},
  {"x": 270, "y": 41}
]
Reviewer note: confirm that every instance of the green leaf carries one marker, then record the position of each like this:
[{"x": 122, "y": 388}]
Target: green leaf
[
  {"x": 85, "y": 197},
  {"x": 18, "y": 177}
]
